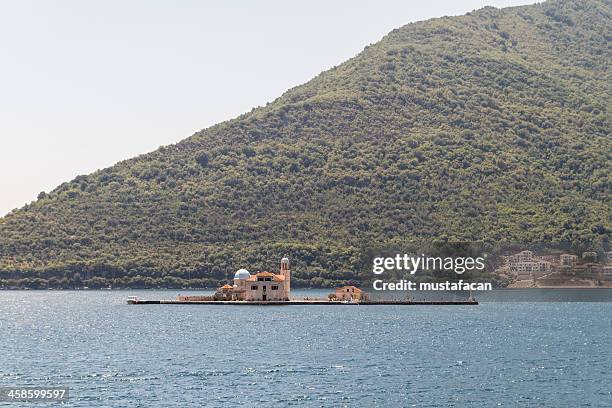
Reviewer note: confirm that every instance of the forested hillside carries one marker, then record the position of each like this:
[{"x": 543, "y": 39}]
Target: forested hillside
[{"x": 492, "y": 126}]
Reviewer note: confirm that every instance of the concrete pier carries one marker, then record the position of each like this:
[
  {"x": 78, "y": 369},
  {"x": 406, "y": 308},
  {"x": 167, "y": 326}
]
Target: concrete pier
[{"x": 301, "y": 302}]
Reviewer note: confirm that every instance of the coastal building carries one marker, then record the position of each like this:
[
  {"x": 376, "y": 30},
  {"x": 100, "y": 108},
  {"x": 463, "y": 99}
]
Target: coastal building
[
  {"x": 552, "y": 269},
  {"x": 523, "y": 256},
  {"x": 588, "y": 270},
  {"x": 262, "y": 286},
  {"x": 568, "y": 260},
  {"x": 526, "y": 266},
  {"x": 348, "y": 293},
  {"x": 533, "y": 267}
]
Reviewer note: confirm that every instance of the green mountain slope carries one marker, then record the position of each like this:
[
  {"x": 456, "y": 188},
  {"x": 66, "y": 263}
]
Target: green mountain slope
[{"x": 491, "y": 126}]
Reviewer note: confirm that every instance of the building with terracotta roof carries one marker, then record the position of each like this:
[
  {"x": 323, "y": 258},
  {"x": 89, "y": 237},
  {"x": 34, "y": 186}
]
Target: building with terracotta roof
[
  {"x": 349, "y": 293},
  {"x": 262, "y": 286}
]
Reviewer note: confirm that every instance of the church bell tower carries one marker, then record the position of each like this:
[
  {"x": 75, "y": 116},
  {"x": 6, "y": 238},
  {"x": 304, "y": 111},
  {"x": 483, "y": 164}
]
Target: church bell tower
[{"x": 284, "y": 270}]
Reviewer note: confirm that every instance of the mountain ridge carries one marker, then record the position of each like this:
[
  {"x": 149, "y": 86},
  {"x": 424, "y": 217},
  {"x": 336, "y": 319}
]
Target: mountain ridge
[{"x": 489, "y": 126}]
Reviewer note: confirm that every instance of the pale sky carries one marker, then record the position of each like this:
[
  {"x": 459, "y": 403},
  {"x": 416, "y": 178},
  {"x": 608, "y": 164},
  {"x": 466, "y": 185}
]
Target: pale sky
[{"x": 86, "y": 84}]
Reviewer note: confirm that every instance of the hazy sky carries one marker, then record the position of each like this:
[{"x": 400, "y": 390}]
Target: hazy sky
[{"x": 85, "y": 84}]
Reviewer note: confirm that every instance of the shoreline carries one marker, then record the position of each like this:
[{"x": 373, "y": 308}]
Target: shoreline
[
  {"x": 306, "y": 288},
  {"x": 301, "y": 302}
]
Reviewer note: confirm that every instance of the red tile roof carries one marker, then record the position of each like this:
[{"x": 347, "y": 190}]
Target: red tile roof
[
  {"x": 353, "y": 288},
  {"x": 264, "y": 274}
]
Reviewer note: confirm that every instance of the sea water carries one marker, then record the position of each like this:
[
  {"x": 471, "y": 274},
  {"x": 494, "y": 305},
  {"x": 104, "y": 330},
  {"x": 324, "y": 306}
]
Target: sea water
[{"x": 110, "y": 354}]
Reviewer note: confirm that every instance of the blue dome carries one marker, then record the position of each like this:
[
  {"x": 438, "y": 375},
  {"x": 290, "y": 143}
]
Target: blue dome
[{"x": 242, "y": 274}]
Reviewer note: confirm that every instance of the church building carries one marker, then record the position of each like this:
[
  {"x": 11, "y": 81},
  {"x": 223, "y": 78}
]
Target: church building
[{"x": 262, "y": 286}]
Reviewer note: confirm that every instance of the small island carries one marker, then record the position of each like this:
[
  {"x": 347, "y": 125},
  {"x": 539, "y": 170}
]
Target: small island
[{"x": 267, "y": 288}]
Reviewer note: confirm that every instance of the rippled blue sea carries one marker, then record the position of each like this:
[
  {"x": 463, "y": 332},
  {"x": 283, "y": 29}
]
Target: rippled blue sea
[{"x": 110, "y": 354}]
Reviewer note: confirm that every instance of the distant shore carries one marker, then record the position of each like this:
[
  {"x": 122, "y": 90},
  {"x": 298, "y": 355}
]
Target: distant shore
[{"x": 589, "y": 285}]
